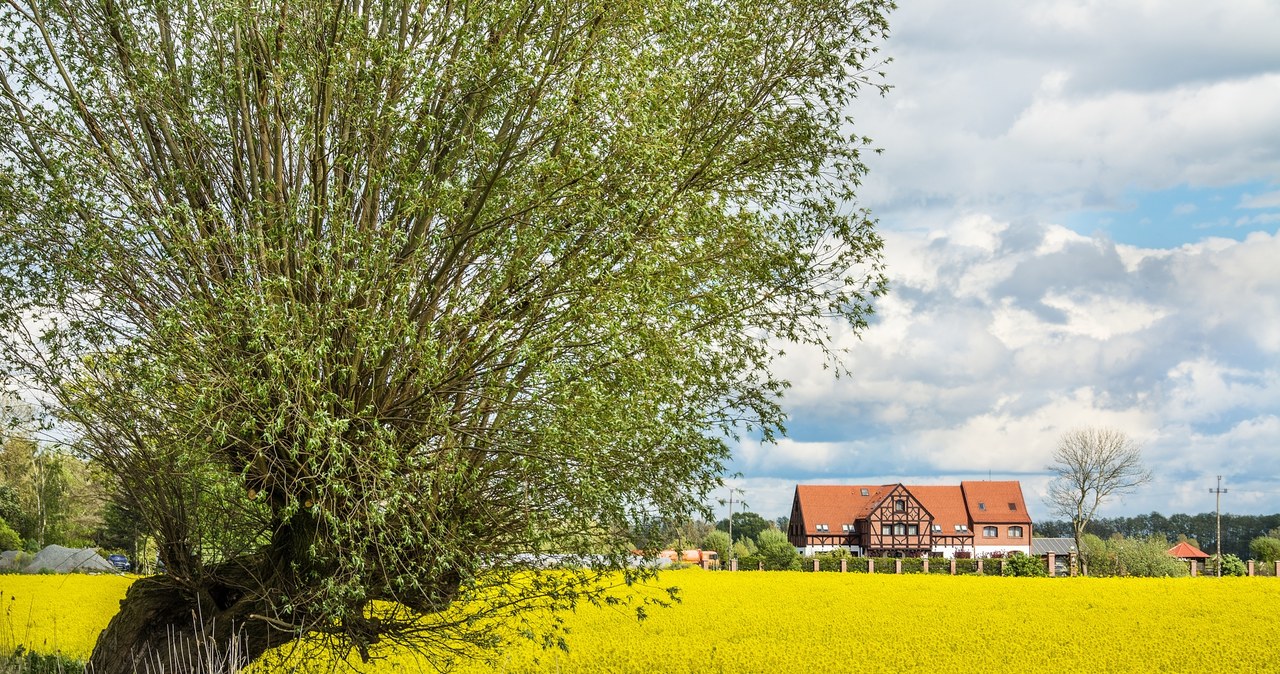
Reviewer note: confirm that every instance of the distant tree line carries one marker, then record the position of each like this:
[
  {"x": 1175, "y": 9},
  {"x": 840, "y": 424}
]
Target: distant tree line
[{"x": 1238, "y": 531}]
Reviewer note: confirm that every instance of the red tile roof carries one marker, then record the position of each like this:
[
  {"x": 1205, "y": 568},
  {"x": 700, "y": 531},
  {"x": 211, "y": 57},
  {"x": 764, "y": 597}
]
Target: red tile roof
[
  {"x": 946, "y": 504},
  {"x": 995, "y": 502},
  {"x": 836, "y": 505},
  {"x": 1185, "y": 550},
  {"x": 833, "y": 505}
]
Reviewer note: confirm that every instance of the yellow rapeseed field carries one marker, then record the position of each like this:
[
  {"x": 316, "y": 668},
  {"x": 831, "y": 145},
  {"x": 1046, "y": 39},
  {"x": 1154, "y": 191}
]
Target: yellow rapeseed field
[
  {"x": 64, "y": 613},
  {"x": 802, "y": 622}
]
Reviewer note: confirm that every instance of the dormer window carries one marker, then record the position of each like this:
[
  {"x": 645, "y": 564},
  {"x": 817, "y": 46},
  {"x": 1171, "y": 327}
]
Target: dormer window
[
  {"x": 821, "y": 527},
  {"x": 937, "y": 527}
]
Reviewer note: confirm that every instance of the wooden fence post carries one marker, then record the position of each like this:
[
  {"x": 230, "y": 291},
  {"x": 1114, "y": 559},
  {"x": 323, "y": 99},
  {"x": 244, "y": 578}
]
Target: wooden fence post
[
  {"x": 1053, "y": 565},
  {"x": 816, "y": 566},
  {"x": 871, "y": 565},
  {"x": 980, "y": 566},
  {"x": 844, "y": 565},
  {"x": 925, "y": 565},
  {"x": 953, "y": 566},
  {"x": 897, "y": 566},
  {"x": 1251, "y": 568}
]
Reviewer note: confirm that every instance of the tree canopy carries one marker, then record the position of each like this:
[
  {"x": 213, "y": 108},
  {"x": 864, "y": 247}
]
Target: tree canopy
[{"x": 363, "y": 302}]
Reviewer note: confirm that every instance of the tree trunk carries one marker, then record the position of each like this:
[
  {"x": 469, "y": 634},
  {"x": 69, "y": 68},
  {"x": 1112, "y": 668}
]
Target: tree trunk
[
  {"x": 165, "y": 625},
  {"x": 1077, "y": 529}
]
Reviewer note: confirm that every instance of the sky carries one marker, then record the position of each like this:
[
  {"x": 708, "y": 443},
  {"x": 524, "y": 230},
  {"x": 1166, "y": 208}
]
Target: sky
[{"x": 1080, "y": 203}]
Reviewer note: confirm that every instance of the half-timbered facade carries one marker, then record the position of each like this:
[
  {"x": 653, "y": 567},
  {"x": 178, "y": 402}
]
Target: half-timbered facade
[{"x": 896, "y": 520}]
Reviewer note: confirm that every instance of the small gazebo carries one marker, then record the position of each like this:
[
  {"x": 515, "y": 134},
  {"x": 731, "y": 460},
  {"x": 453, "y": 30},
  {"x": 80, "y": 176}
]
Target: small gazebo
[{"x": 1188, "y": 553}]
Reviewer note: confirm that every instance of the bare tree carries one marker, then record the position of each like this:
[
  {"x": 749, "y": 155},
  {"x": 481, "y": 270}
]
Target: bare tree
[{"x": 1091, "y": 465}]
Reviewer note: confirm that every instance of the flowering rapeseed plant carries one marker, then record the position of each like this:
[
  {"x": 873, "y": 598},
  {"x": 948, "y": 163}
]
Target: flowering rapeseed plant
[{"x": 800, "y": 622}]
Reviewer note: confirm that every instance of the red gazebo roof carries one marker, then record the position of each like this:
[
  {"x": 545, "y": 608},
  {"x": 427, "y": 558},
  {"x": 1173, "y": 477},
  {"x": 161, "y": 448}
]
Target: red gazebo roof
[{"x": 1185, "y": 550}]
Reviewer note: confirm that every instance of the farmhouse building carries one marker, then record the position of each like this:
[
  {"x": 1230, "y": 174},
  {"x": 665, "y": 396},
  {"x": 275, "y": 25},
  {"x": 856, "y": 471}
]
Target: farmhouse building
[{"x": 895, "y": 520}]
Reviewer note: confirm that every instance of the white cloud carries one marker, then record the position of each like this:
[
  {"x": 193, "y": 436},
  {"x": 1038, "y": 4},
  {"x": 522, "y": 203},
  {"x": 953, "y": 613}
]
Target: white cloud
[
  {"x": 986, "y": 351},
  {"x": 1019, "y": 108},
  {"x": 1259, "y": 220},
  {"x": 1003, "y": 328},
  {"x": 1267, "y": 200}
]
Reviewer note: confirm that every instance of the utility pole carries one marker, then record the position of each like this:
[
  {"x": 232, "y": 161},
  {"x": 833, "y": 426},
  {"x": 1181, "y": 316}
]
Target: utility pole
[
  {"x": 1217, "y": 492},
  {"x": 732, "y": 491}
]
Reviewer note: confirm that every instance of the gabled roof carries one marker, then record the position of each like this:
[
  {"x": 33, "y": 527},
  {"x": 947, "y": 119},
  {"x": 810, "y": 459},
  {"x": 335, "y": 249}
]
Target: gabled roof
[
  {"x": 995, "y": 502},
  {"x": 950, "y": 506},
  {"x": 1185, "y": 550}
]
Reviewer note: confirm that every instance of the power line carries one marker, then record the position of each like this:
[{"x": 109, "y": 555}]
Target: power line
[{"x": 1218, "y": 492}]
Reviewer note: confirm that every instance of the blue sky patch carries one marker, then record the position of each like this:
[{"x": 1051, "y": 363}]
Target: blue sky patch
[{"x": 1173, "y": 217}]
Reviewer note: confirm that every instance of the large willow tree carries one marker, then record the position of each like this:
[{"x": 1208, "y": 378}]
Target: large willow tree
[{"x": 367, "y": 304}]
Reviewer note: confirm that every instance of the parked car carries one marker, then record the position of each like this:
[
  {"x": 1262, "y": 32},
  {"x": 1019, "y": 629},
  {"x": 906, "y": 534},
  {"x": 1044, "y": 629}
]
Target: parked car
[{"x": 120, "y": 562}]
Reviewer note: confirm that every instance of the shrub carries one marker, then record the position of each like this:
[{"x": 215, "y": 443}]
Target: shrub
[
  {"x": 830, "y": 561},
  {"x": 1147, "y": 557},
  {"x": 9, "y": 539},
  {"x": 1232, "y": 566},
  {"x": 1019, "y": 564},
  {"x": 1265, "y": 549},
  {"x": 776, "y": 551},
  {"x": 884, "y": 565}
]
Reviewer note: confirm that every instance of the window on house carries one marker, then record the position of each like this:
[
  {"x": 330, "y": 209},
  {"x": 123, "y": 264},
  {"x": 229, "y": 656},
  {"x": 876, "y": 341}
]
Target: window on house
[
  {"x": 937, "y": 527},
  {"x": 913, "y": 529},
  {"x": 899, "y": 506},
  {"x": 822, "y": 527},
  {"x": 899, "y": 529},
  {"x": 990, "y": 532},
  {"x": 1015, "y": 532},
  {"x": 982, "y": 506},
  {"x": 962, "y": 527},
  {"x": 886, "y": 530},
  {"x": 866, "y": 492},
  {"x": 1013, "y": 507}
]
